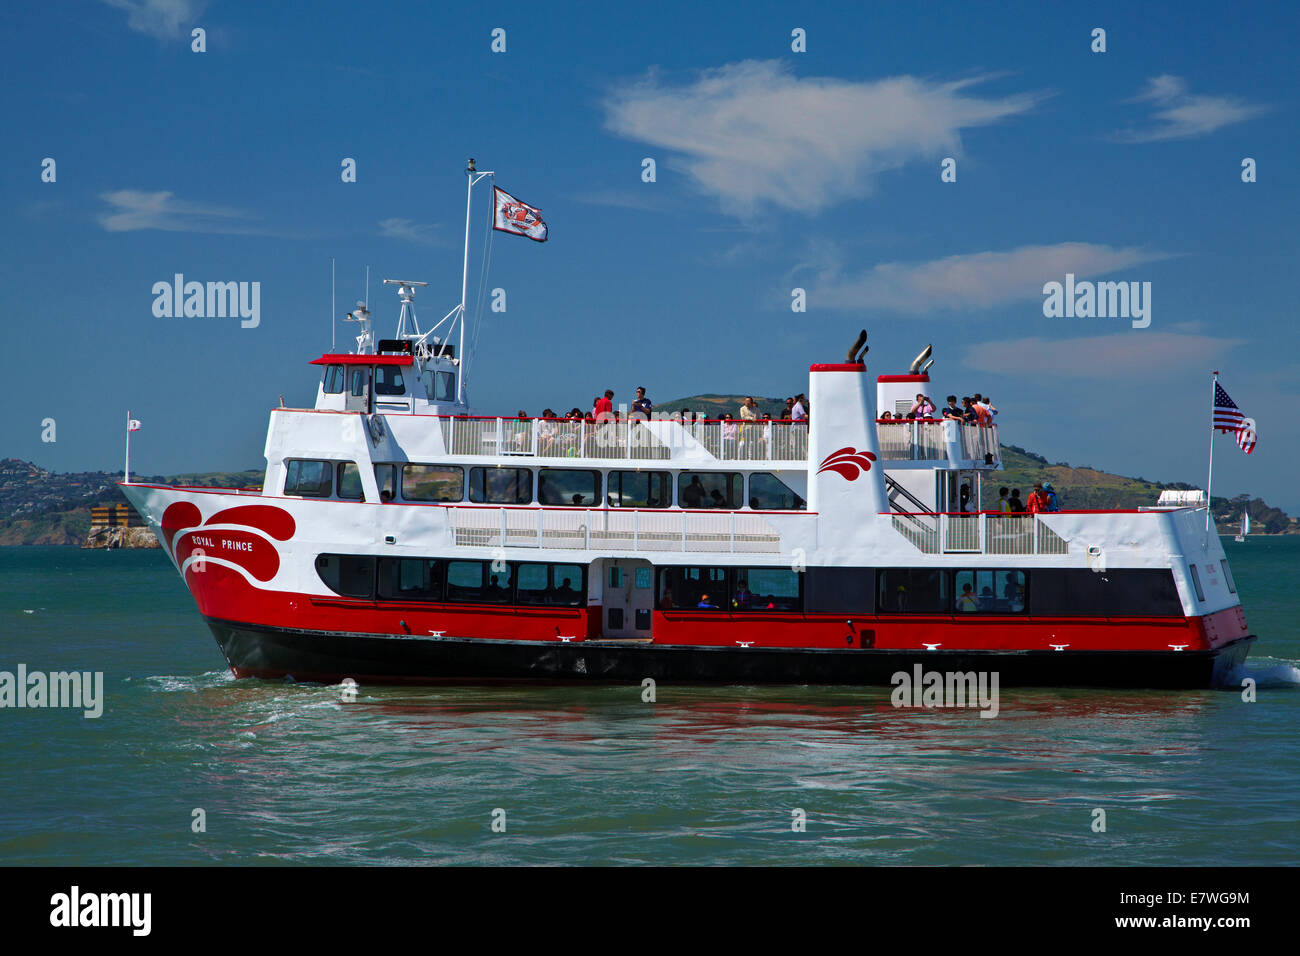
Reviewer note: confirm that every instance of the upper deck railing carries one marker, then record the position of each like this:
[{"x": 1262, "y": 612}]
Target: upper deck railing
[
  {"x": 626, "y": 439},
  {"x": 906, "y": 439}
]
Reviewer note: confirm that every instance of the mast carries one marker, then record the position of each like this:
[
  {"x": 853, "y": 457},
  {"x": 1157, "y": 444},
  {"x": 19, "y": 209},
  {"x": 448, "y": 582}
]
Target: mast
[
  {"x": 472, "y": 175},
  {"x": 1209, "y": 480}
]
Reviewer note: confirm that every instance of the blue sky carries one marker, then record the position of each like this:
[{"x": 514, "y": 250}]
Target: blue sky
[{"x": 775, "y": 170}]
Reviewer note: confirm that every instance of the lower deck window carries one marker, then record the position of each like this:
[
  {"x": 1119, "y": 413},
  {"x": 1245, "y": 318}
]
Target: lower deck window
[
  {"x": 730, "y": 589},
  {"x": 994, "y": 591},
  {"x": 351, "y": 575},
  {"x": 913, "y": 590}
]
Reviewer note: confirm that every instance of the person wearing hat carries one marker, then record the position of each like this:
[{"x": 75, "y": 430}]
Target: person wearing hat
[{"x": 1052, "y": 504}]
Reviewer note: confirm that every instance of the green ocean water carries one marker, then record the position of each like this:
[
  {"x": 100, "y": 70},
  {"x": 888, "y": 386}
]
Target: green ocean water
[{"x": 289, "y": 773}]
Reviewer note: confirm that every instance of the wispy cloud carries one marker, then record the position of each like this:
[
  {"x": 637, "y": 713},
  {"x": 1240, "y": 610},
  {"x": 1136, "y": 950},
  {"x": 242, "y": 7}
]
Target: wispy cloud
[
  {"x": 752, "y": 133},
  {"x": 161, "y": 19},
  {"x": 408, "y": 231},
  {"x": 1136, "y": 355},
  {"x": 131, "y": 210},
  {"x": 972, "y": 280},
  {"x": 643, "y": 200},
  {"x": 1180, "y": 115}
]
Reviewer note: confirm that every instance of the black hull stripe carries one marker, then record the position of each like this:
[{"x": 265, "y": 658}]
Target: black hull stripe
[{"x": 254, "y": 650}]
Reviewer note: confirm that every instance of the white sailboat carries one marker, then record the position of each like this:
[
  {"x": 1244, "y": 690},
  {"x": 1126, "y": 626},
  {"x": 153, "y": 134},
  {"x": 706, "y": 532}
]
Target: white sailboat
[{"x": 1245, "y": 526}]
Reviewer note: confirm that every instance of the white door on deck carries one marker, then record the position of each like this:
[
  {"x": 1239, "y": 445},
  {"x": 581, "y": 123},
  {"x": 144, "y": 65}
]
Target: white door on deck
[{"x": 628, "y": 598}]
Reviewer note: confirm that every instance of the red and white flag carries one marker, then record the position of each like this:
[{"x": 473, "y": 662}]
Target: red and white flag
[
  {"x": 511, "y": 215},
  {"x": 133, "y": 425}
]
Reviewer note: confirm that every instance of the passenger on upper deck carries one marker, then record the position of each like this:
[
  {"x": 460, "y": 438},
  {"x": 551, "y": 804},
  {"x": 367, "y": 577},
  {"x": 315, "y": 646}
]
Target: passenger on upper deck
[
  {"x": 952, "y": 411},
  {"x": 1038, "y": 500},
  {"x": 603, "y": 408},
  {"x": 922, "y": 407},
  {"x": 799, "y": 411},
  {"x": 641, "y": 408}
]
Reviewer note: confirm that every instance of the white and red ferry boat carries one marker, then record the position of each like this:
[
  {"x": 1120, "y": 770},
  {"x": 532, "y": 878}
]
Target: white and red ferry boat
[{"x": 401, "y": 537}]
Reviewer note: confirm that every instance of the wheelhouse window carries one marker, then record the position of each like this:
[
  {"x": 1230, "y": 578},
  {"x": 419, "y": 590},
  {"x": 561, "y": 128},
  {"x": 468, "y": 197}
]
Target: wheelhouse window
[
  {"x": 350, "y": 575},
  {"x": 1196, "y": 583},
  {"x": 913, "y": 591},
  {"x": 348, "y": 477},
  {"x": 989, "y": 591},
  {"x": 433, "y": 483},
  {"x": 640, "y": 489},
  {"x": 703, "y": 588},
  {"x": 334, "y": 379},
  {"x": 388, "y": 380},
  {"x": 568, "y": 487},
  {"x": 501, "y": 486},
  {"x": 710, "y": 489},
  {"x": 440, "y": 386},
  {"x": 410, "y": 579},
  {"x": 767, "y": 492},
  {"x": 311, "y": 479},
  {"x": 360, "y": 379}
]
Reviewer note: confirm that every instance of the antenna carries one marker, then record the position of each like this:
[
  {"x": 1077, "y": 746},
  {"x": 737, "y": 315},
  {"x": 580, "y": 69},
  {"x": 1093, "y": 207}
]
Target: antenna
[
  {"x": 333, "y": 321},
  {"x": 367, "y": 303}
]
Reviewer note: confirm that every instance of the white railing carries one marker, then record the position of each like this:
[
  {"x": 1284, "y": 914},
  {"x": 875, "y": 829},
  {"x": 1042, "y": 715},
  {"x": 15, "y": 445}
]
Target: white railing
[
  {"x": 909, "y": 440},
  {"x": 554, "y": 438},
  {"x": 979, "y": 534},
  {"x": 612, "y": 530}
]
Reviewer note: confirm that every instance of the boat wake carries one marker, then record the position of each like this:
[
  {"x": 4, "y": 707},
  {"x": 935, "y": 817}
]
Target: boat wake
[{"x": 1266, "y": 673}]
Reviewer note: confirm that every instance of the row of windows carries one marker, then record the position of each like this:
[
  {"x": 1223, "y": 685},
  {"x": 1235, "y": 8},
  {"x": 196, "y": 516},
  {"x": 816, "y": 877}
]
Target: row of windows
[
  {"x": 556, "y": 487},
  {"x": 439, "y": 579},
  {"x": 439, "y": 386},
  {"x": 1140, "y": 592}
]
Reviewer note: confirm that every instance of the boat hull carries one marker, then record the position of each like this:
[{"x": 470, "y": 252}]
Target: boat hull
[{"x": 329, "y": 657}]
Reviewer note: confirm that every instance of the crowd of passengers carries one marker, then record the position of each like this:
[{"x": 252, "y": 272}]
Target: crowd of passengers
[
  {"x": 975, "y": 409},
  {"x": 603, "y": 410}
]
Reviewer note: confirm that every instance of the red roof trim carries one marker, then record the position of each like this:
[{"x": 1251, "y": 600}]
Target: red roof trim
[
  {"x": 902, "y": 378},
  {"x": 855, "y": 367},
  {"x": 328, "y": 359}
]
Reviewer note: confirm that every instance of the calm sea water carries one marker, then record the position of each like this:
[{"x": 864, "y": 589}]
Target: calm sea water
[{"x": 290, "y": 774}]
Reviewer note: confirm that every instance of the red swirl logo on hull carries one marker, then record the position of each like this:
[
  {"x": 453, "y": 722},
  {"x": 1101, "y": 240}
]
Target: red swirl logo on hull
[
  {"x": 184, "y": 533},
  {"x": 847, "y": 462}
]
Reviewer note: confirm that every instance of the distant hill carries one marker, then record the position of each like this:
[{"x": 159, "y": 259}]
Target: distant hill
[{"x": 42, "y": 507}]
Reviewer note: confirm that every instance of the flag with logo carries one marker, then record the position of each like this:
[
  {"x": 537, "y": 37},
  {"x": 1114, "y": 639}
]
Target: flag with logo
[
  {"x": 133, "y": 425},
  {"x": 511, "y": 215},
  {"x": 1229, "y": 418}
]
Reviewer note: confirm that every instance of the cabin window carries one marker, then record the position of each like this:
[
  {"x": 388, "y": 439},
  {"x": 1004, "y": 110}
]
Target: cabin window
[
  {"x": 710, "y": 489},
  {"x": 433, "y": 483},
  {"x": 990, "y": 591},
  {"x": 767, "y": 492},
  {"x": 1196, "y": 583},
  {"x": 349, "y": 480},
  {"x": 386, "y": 479},
  {"x": 311, "y": 479},
  {"x": 1227, "y": 576},
  {"x": 464, "y": 580},
  {"x": 766, "y": 589},
  {"x": 501, "y": 486},
  {"x": 568, "y": 487},
  {"x": 360, "y": 378},
  {"x": 410, "y": 579},
  {"x": 913, "y": 591},
  {"x": 440, "y": 386},
  {"x": 351, "y": 575},
  {"x": 694, "y": 587},
  {"x": 554, "y": 584},
  {"x": 388, "y": 380},
  {"x": 640, "y": 489},
  {"x": 334, "y": 379}
]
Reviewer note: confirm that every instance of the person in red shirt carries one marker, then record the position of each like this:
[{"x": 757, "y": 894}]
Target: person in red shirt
[
  {"x": 604, "y": 410},
  {"x": 1038, "y": 500}
]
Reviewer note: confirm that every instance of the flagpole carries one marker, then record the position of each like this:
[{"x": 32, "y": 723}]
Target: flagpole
[
  {"x": 464, "y": 285},
  {"x": 126, "y": 469},
  {"x": 1209, "y": 480}
]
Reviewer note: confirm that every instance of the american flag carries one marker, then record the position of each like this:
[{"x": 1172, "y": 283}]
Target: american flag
[{"x": 1227, "y": 416}]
